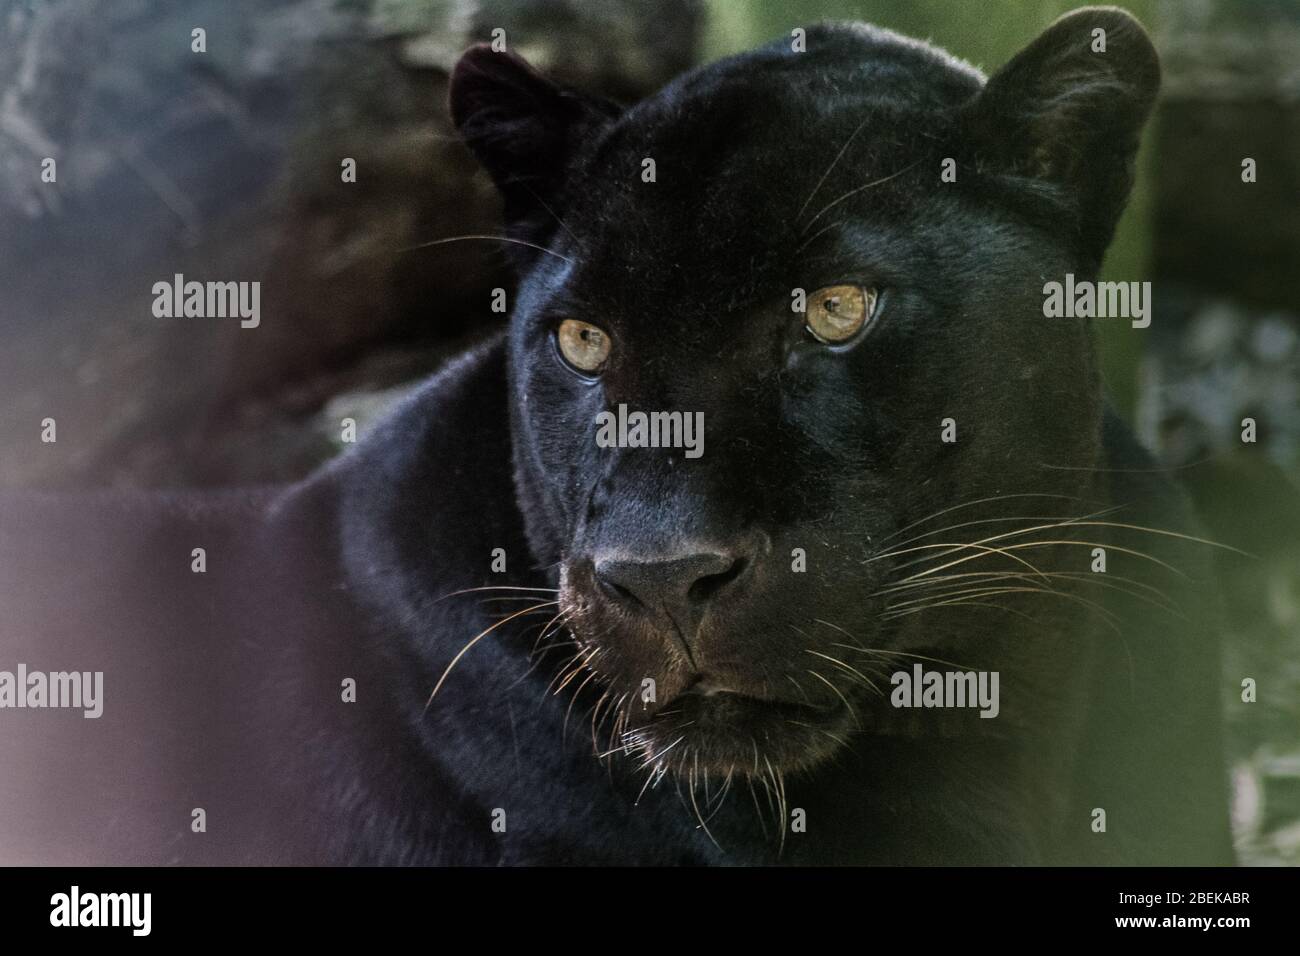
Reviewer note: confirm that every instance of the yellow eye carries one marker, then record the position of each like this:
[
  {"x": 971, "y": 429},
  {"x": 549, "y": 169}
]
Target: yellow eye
[
  {"x": 837, "y": 312},
  {"x": 583, "y": 345}
]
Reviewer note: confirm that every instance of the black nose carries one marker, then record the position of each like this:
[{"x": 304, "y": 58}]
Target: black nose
[{"x": 680, "y": 586}]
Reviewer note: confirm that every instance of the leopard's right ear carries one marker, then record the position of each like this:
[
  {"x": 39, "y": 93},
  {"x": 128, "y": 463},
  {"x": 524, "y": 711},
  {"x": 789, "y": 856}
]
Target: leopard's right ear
[
  {"x": 1068, "y": 110},
  {"x": 523, "y": 128}
]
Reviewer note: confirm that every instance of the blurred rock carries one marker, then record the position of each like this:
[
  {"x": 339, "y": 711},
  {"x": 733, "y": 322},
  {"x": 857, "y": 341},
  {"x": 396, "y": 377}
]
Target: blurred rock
[
  {"x": 1230, "y": 91},
  {"x": 226, "y": 165},
  {"x": 1225, "y": 345}
]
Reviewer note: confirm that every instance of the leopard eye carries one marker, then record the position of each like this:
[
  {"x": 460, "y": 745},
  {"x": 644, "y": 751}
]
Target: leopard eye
[
  {"x": 837, "y": 312},
  {"x": 583, "y": 345}
]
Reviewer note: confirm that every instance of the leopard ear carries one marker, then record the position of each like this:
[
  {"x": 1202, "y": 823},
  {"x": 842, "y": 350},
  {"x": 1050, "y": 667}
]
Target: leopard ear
[
  {"x": 523, "y": 128},
  {"x": 1068, "y": 110}
]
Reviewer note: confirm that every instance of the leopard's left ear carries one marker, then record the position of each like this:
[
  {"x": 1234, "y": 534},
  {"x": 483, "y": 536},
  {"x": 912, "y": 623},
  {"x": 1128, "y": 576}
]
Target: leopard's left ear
[
  {"x": 524, "y": 129},
  {"x": 1068, "y": 110}
]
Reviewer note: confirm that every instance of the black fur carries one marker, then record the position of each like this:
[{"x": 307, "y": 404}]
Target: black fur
[{"x": 222, "y": 690}]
